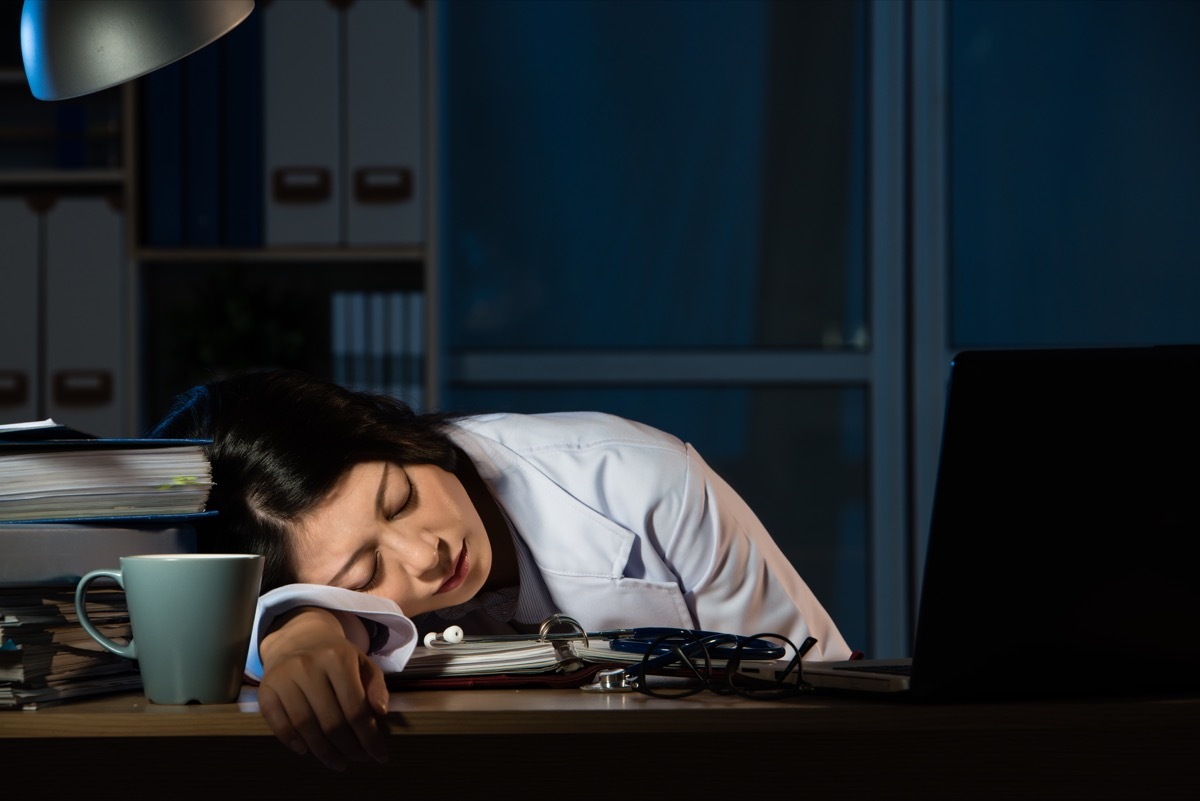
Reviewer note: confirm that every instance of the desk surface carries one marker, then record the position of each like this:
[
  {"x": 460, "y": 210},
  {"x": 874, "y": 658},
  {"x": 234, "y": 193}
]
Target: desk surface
[
  {"x": 573, "y": 711},
  {"x": 811, "y": 746}
]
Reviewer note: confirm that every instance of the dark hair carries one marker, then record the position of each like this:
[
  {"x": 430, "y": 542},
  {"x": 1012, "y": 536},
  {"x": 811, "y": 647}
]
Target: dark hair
[{"x": 281, "y": 440}]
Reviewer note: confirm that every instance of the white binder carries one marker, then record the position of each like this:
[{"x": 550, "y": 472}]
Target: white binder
[
  {"x": 19, "y": 311},
  {"x": 384, "y": 193},
  {"x": 301, "y": 122},
  {"x": 87, "y": 313},
  {"x": 343, "y": 88}
]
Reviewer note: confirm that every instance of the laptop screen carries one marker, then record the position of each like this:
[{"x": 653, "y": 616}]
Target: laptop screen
[{"x": 1063, "y": 549}]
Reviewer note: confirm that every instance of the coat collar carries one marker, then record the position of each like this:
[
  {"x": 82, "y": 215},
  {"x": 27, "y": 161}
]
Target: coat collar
[{"x": 538, "y": 506}]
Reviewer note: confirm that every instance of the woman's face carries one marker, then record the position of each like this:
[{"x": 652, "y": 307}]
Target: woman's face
[{"x": 409, "y": 533}]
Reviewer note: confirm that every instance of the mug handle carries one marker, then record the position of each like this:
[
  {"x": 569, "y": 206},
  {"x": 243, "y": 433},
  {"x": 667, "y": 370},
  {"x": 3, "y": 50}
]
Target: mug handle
[{"x": 127, "y": 651}]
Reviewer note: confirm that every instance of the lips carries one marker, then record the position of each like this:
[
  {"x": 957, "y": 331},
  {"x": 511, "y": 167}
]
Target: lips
[{"x": 461, "y": 568}]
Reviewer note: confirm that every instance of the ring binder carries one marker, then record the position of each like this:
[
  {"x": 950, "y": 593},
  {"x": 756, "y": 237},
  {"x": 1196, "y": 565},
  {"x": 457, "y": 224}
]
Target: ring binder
[{"x": 560, "y": 619}]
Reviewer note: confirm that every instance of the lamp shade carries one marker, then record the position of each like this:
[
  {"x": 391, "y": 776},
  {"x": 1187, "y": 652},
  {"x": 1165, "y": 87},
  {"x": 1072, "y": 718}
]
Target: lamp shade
[{"x": 74, "y": 47}]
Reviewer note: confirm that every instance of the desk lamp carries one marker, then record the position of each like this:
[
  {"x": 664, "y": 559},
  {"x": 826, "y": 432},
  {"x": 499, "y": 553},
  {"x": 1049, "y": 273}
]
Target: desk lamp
[{"x": 75, "y": 47}]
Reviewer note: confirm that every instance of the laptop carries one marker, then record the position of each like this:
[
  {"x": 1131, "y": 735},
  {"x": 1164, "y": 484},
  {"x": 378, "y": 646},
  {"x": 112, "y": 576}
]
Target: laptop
[{"x": 1065, "y": 534}]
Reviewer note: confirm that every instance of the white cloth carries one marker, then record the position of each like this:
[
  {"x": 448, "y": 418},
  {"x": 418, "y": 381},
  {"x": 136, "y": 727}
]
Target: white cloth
[{"x": 628, "y": 527}]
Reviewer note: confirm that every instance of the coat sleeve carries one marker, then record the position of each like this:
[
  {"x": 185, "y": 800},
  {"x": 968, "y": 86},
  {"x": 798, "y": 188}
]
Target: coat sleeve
[
  {"x": 394, "y": 646},
  {"x": 734, "y": 576}
]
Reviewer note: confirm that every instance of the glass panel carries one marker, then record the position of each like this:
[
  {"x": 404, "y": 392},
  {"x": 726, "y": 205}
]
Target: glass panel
[
  {"x": 796, "y": 454},
  {"x": 1073, "y": 172},
  {"x": 656, "y": 174}
]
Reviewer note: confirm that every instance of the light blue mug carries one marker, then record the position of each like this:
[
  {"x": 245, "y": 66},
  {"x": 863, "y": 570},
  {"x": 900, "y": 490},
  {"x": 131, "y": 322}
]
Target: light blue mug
[{"x": 191, "y": 616}]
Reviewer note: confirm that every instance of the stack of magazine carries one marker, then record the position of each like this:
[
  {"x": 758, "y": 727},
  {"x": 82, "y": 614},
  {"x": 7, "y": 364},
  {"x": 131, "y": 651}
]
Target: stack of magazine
[{"x": 71, "y": 503}]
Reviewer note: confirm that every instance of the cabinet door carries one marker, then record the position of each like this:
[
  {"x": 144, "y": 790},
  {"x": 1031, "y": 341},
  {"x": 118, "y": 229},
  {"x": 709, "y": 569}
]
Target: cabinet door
[
  {"x": 19, "y": 311},
  {"x": 87, "y": 316},
  {"x": 301, "y": 122},
  {"x": 383, "y": 180}
]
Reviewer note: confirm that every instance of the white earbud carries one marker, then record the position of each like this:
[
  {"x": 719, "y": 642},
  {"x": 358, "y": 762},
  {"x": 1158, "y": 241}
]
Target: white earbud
[{"x": 452, "y": 635}]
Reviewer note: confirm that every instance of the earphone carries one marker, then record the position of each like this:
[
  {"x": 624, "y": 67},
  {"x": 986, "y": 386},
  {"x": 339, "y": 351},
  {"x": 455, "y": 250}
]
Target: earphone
[{"x": 452, "y": 635}]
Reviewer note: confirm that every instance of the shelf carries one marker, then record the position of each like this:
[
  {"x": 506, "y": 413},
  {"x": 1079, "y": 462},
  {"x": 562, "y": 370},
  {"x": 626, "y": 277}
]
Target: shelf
[
  {"x": 274, "y": 255},
  {"x": 88, "y": 179}
]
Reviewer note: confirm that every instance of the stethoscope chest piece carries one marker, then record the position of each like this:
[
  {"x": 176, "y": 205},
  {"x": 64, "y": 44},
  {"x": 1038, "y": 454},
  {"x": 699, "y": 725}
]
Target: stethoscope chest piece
[{"x": 611, "y": 681}]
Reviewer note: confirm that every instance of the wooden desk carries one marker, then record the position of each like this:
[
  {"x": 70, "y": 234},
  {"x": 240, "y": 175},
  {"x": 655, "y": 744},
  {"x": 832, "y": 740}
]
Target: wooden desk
[{"x": 500, "y": 744}]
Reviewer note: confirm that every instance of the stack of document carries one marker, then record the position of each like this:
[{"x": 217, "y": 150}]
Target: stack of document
[
  {"x": 48, "y": 472},
  {"x": 71, "y": 503},
  {"x": 46, "y": 656}
]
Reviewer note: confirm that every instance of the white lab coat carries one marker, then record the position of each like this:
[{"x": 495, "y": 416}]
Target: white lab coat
[{"x": 628, "y": 527}]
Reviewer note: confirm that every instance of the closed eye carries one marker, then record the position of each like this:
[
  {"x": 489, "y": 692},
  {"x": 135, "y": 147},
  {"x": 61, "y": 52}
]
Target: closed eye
[
  {"x": 376, "y": 575},
  {"x": 410, "y": 502}
]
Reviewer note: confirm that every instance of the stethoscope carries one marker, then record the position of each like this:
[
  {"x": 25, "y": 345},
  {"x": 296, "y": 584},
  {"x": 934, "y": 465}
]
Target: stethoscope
[{"x": 661, "y": 647}]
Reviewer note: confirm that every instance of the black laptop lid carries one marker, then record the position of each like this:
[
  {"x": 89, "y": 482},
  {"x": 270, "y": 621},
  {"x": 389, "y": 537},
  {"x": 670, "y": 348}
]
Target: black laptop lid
[{"x": 1062, "y": 555}]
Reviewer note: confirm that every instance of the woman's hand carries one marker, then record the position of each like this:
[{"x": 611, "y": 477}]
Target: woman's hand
[{"x": 320, "y": 694}]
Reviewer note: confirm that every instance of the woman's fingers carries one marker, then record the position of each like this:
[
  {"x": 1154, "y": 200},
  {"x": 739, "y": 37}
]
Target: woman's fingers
[
  {"x": 320, "y": 693},
  {"x": 361, "y": 729},
  {"x": 375, "y": 686},
  {"x": 326, "y": 712},
  {"x": 313, "y": 723},
  {"x": 274, "y": 712}
]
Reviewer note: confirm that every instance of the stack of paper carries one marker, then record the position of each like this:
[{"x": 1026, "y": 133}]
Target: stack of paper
[
  {"x": 46, "y": 656},
  {"x": 28, "y": 698},
  {"x": 513, "y": 657},
  {"x": 71, "y": 503},
  {"x": 61, "y": 478},
  {"x": 492, "y": 658}
]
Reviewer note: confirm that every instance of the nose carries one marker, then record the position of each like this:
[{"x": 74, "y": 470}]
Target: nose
[{"x": 419, "y": 553}]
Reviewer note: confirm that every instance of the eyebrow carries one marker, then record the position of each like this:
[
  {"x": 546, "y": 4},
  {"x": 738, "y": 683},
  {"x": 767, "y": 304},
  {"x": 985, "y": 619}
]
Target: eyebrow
[{"x": 367, "y": 548}]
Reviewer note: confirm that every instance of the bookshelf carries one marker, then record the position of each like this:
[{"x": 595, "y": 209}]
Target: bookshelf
[
  {"x": 66, "y": 346},
  {"x": 172, "y": 201},
  {"x": 302, "y": 89}
]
